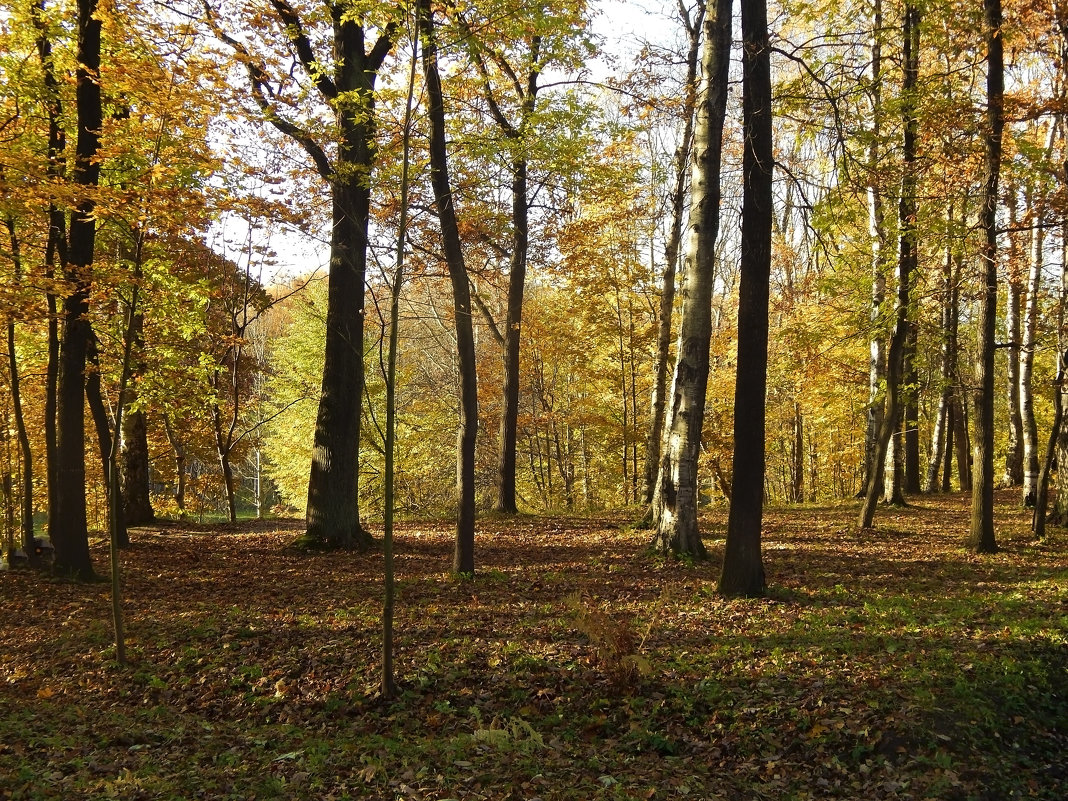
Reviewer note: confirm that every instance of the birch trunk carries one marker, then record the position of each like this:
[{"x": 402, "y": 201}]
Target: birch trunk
[
  {"x": 675, "y": 500},
  {"x": 877, "y": 232},
  {"x": 671, "y": 257}
]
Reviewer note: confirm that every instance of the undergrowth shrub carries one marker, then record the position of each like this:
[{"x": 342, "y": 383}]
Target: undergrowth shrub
[{"x": 616, "y": 644}]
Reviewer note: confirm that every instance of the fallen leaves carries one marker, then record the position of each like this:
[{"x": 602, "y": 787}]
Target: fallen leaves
[{"x": 891, "y": 665}]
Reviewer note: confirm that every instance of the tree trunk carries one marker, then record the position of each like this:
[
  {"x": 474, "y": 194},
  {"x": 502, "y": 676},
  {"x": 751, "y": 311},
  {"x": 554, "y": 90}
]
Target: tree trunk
[
  {"x": 136, "y": 479},
  {"x": 179, "y": 464},
  {"x": 982, "y": 539},
  {"x": 1014, "y": 454},
  {"x": 25, "y": 453},
  {"x": 947, "y": 471},
  {"x": 517, "y": 272},
  {"x": 939, "y": 441},
  {"x": 1038, "y": 518},
  {"x": 910, "y": 482},
  {"x": 55, "y": 248},
  {"x": 68, "y": 525},
  {"x": 797, "y": 458},
  {"x": 743, "y": 568},
  {"x": 907, "y": 259},
  {"x": 464, "y": 556},
  {"x": 654, "y": 439},
  {"x": 333, "y": 514},
  {"x": 223, "y": 447},
  {"x": 388, "y": 686},
  {"x": 1027, "y": 359},
  {"x": 894, "y": 469},
  {"x": 877, "y": 232},
  {"x": 102, "y": 422},
  {"x": 942, "y": 440},
  {"x": 675, "y": 500}
]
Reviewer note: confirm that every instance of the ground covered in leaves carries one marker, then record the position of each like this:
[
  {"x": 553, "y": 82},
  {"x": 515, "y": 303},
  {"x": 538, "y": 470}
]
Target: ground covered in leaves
[{"x": 885, "y": 664}]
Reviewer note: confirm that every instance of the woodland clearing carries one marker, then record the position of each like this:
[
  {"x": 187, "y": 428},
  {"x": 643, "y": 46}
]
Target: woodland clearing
[{"x": 885, "y": 664}]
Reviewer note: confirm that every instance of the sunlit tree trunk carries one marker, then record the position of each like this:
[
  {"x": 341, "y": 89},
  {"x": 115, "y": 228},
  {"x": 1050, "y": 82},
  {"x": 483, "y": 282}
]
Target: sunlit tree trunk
[
  {"x": 675, "y": 500},
  {"x": 654, "y": 439},
  {"x": 982, "y": 539},
  {"x": 877, "y": 233},
  {"x": 942, "y": 437},
  {"x": 1027, "y": 355},
  {"x": 910, "y": 475}
]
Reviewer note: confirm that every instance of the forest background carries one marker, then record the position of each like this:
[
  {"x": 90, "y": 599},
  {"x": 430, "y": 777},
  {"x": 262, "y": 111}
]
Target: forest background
[{"x": 212, "y": 144}]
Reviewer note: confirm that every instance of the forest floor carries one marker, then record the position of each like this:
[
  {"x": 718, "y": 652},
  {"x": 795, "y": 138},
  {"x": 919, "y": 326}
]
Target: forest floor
[{"x": 885, "y": 664}]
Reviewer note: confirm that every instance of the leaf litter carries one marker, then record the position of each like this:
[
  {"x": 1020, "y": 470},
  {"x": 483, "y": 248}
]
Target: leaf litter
[{"x": 884, "y": 664}]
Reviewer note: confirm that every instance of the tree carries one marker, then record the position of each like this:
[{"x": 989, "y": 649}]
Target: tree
[
  {"x": 907, "y": 260},
  {"x": 693, "y": 26},
  {"x": 68, "y": 525},
  {"x": 675, "y": 501},
  {"x": 743, "y": 569},
  {"x": 464, "y": 556},
  {"x": 347, "y": 88},
  {"x": 510, "y": 52},
  {"x": 982, "y": 538}
]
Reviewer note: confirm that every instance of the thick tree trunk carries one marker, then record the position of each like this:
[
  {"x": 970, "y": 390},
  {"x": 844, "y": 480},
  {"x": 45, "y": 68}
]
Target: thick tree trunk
[
  {"x": 654, "y": 439},
  {"x": 982, "y": 539},
  {"x": 136, "y": 478},
  {"x": 743, "y": 567},
  {"x": 464, "y": 556},
  {"x": 907, "y": 259},
  {"x": 68, "y": 525},
  {"x": 675, "y": 500},
  {"x": 333, "y": 514}
]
